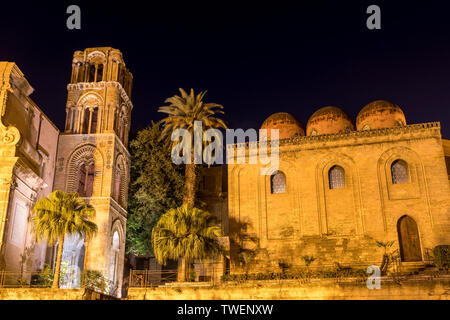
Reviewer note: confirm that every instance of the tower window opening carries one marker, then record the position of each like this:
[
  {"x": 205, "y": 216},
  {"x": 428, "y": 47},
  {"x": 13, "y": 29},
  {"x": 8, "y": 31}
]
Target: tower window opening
[
  {"x": 99, "y": 76},
  {"x": 86, "y": 119},
  {"x": 92, "y": 69},
  {"x": 94, "y": 120}
]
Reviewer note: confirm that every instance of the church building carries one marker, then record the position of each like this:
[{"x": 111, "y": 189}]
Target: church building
[{"x": 341, "y": 187}]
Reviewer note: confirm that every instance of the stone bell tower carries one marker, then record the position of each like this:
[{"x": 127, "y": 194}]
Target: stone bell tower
[{"x": 93, "y": 159}]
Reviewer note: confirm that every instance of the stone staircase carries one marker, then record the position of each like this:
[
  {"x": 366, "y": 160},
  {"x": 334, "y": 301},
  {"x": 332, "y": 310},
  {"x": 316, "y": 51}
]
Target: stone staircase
[{"x": 412, "y": 267}]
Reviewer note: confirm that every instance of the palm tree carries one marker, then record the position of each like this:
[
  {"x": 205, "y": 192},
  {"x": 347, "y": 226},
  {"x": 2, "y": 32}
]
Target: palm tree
[
  {"x": 182, "y": 113},
  {"x": 185, "y": 232},
  {"x": 60, "y": 214}
]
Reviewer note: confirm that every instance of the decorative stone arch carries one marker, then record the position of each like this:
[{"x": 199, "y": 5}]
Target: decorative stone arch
[
  {"x": 411, "y": 190},
  {"x": 96, "y": 56},
  {"x": 405, "y": 154},
  {"x": 121, "y": 171},
  {"x": 90, "y": 98},
  {"x": 96, "y": 62},
  {"x": 84, "y": 154},
  {"x": 351, "y": 189},
  {"x": 122, "y": 122},
  {"x": 86, "y": 105}
]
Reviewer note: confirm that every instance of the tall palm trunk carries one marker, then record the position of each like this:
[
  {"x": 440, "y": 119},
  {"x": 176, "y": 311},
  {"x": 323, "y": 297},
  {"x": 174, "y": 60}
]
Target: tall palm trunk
[
  {"x": 58, "y": 262},
  {"x": 190, "y": 176},
  {"x": 182, "y": 271}
]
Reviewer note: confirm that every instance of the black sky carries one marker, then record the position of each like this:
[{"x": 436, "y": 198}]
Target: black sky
[{"x": 254, "y": 58}]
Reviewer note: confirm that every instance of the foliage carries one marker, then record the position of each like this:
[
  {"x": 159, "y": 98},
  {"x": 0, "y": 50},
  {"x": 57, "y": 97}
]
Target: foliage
[
  {"x": 192, "y": 275},
  {"x": 44, "y": 278},
  {"x": 308, "y": 260},
  {"x": 186, "y": 232},
  {"x": 156, "y": 186},
  {"x": 299, "y": 275},
  {"x": 94, "y": 280},
  {"x": 184, "y": 110},
  {"x": 247, "y": 259},
  {"x": 182, "y": 113},
  {"x": 60, "y": 214},
  {"x": 22, "y": 282},
  {"x": 442, "y": 256}
]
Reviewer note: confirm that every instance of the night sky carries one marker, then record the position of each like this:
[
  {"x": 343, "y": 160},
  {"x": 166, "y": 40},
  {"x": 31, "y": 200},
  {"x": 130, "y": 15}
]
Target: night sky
[{"x": 255, "y": 59}]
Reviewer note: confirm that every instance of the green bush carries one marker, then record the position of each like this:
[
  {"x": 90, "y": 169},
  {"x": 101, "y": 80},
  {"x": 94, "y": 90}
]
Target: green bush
[
  {"x": 442, "y": 256},
  {"x": 302, "y": 274},
  {"x": 43, "y": 278}
]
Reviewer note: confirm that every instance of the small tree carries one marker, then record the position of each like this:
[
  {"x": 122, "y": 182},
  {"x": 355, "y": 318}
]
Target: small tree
[
  {"x": 156, "y": 185},
  {"x": 308, "y": 260},
  {"x": 187, "y": 233},
  {"x": 247, "y": 258},
  {"x": 387, "y": 258},
  {"x": 60, "y": 214}
]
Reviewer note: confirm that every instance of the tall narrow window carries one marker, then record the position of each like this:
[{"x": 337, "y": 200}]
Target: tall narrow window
[
  {"x": 399, "y": 170},
  {"x": 80, "y": 72},
  {"x": 82, "y": 180},
  {"x": 86, "y": 119},
  {"x": 121, "y": 128},
  {"x": 278, "y": 183},
  {"x": 117, "y": 186},
  {"x": 336, "y": 176},
  {"x": 113, "y": 266},
  {"x": 86, "y": 180},
  {"x": 99, "y": 73},
  {"x": 94, "y": 120},
  {"x": 92, "y": 73}
]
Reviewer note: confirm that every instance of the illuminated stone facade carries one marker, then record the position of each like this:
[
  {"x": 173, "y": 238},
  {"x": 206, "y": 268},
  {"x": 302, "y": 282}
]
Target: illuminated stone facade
[
  {"x": 28, "y": 143},
  {"x": 90, "y": 157},
  {"x": 93, "y": 159},
  {"x": 336, "y": 194}
]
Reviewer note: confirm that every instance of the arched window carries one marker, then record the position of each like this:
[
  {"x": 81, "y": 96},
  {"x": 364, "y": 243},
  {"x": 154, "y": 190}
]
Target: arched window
[
  {"x": 94, "y": 120},
  {"x": 336, "y": 176},
  {"x": 99, "y": 73},
  {"x": 115, "y": 248},
  {"x": 399, "y": 170},
  {"x": 86, "y": 119},
  {"x": 121, "y": 128},
  {"x": 92, "y": 73},
  {"x": 86, "y": 180},
  {"x": 278, "y": 183}
]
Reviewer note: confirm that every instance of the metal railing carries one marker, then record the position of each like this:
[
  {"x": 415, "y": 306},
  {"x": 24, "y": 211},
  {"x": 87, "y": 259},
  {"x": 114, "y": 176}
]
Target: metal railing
[
  {"x": 200, "y": 274},
  {"x": 85, "y": 279}
]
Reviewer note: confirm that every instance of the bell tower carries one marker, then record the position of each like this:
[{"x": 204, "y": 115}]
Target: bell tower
[{"x": 93, "y": 158}]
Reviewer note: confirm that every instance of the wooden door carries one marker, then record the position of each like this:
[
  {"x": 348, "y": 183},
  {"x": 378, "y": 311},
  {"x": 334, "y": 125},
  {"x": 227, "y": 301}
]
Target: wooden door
[{"x": 409, "y": 241}]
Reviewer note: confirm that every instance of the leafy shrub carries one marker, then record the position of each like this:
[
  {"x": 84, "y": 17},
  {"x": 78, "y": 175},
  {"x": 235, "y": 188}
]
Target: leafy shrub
[
  {"x": 300, "y": 275},
  {"x": 43, "y": 278},
  {"x": 94, "y": 280},
  {"x": 442, "y": 256}
]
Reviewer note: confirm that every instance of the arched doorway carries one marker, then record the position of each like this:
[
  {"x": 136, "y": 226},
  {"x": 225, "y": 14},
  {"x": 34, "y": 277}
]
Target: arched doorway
[{"x": 408, "y": 238}]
